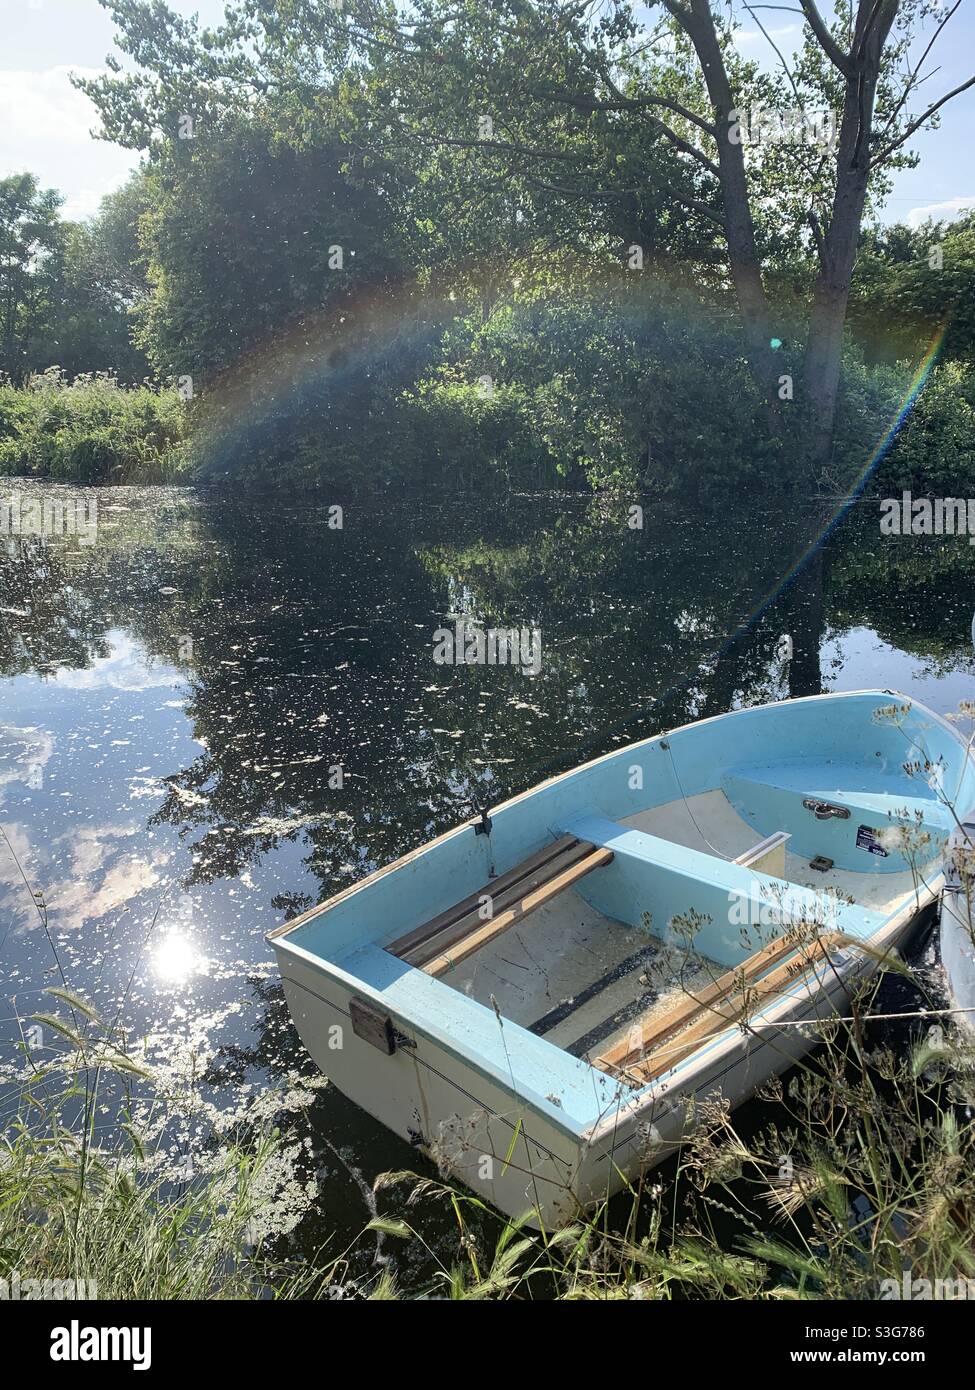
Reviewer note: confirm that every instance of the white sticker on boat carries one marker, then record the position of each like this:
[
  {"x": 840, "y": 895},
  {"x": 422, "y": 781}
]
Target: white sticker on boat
[{"x": 869, "y": 840}]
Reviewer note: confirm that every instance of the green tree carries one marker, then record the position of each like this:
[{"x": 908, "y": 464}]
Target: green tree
[
  {"x": 679, "y": 77},
  {"x": 247, "y": 236},
  {"x": 913, "y": 284},
  {"x": 31, "y": 256},
  {"x": 567, "y": 111},
  {"x": 99, "y": 291}
]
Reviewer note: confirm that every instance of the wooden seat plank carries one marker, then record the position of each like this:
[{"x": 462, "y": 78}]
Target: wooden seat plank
[
  {"x": 444, "y": 939},
  {"x": 711, "y": 1022},
  {"x": 503, "y": 921},
  {"x": 406, "y": 943},
  {"x": 657, "y": 1027}
]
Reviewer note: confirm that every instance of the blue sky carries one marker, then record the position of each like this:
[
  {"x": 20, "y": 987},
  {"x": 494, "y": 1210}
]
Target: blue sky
[{"x": 45, "y": 123}]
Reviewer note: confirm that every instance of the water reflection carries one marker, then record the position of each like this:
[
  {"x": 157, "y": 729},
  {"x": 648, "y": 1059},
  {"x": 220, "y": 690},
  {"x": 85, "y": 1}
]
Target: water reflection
[
  {"x": 176, "y": 958},
  {"x": 223, "y": 711}
]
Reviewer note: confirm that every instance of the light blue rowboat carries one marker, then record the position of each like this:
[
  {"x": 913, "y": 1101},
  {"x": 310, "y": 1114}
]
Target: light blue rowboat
[{"x": 534, "y": 997}]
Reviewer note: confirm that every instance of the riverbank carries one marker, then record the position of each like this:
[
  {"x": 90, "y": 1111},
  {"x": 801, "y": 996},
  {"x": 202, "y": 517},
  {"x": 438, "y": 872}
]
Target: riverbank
[
  {"x": 92, "y": 430},
  {"x": 859, "y": 1184},
  {"x": 897, "y": 430}
]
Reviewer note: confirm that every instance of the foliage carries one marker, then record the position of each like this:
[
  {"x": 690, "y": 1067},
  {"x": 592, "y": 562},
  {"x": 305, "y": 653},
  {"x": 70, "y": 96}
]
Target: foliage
[
  {"x": 935, "y": 449},
  {"x": 542, "y": 395},
  {"x": 487, "y": 185},
  {"x": 113, "y": 1216},
  {"x": 100, "y": 286},
  {"x": 31, "y": 252},
  {"x": 913, "y": 284},
  {"x": 67, "y": 288},
  {"x": 619, "y": 381},
  {"x": 90, "y": 430},
  {"x": 247, "y": 238}
]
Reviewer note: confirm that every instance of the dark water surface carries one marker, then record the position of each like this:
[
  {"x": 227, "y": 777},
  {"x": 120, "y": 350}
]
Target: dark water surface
[{"x": 223, "y": 709}]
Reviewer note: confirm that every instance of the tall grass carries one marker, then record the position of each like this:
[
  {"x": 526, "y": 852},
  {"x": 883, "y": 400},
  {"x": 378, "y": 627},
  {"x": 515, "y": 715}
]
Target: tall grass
[
  {"x": 864, "y": 1179},
  {"x": 91, "y": 430},
  {"x": 863, "y": 1176},
  {"x": 112, "y": 1217}
]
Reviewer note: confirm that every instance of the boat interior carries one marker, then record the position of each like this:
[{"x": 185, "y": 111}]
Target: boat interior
[
  {"x": 613, "y": 913},
  {"x": 568, "y": 944}
]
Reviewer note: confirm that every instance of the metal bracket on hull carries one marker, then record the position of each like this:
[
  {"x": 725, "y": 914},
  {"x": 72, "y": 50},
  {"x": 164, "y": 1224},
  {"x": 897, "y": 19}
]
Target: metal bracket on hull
[
  {"x": 824, "y": 810},
  {"x": 375, "y": 1027}
]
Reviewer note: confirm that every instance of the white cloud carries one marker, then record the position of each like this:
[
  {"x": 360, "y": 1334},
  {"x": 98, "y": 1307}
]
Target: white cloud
[
  {"x": 127, "y": 667},
  {"x": 24, "y": 752},
  {"x": 76, "y": 901},
  {"x": 45, "y": 127},
  {"x": 940, "y": 211},
  {"x": 83, "y": 203},
  {"x": 752, "y": 35},
  {"x": 101, "y": 874},
  {"x": 15, "y": 900},
  {"x": 44, "y": 105}
]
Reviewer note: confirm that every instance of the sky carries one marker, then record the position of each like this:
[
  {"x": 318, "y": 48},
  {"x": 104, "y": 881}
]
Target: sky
[{"x": 45, "y": 124}]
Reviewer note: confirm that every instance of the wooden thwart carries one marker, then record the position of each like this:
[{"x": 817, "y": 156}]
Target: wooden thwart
[
  {"x": 405, "y": 945},
  {"x": 723, "y": 1002},
  {"x": 450, "y": 937},
  {"x": 504, "y": 920}
]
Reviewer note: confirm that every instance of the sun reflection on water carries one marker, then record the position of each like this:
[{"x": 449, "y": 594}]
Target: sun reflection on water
[{"x": 176, "y": 959}]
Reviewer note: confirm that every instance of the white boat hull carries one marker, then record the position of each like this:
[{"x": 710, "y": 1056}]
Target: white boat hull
[{"x": 483, "y": 1135}]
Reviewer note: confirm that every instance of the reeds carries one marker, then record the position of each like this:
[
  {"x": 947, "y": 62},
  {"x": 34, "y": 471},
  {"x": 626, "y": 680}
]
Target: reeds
[
  {"x": 861, "y": 1187},
  {"x": 860, "y": 1181},
  {"x": 111, "y": 1218}
]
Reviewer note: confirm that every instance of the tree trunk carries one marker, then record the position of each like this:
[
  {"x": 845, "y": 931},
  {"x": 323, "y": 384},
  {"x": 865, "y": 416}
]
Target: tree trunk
[
  {"x": 739, "y": 227},
  {"x": 824, "y": 346}
]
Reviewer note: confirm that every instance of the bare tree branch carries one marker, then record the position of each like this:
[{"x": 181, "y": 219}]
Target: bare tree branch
[
  {"x": 912, "y": 78},
  {"x": 818, "y": 237},
  {"x": 607, "y": 195},
  {"x": 888, "y": 150},
  {"x": 778, "y": 53},
  {"x": 582, "y": 102}
]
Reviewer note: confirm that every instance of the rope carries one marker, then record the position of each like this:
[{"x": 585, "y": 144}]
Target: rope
[
  {"x": 863, "y": 1018},
  {"x": 719, "y": 854}
]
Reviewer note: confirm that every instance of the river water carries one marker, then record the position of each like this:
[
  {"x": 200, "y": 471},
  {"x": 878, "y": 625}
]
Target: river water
[{"x": 218, "y": 709}]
